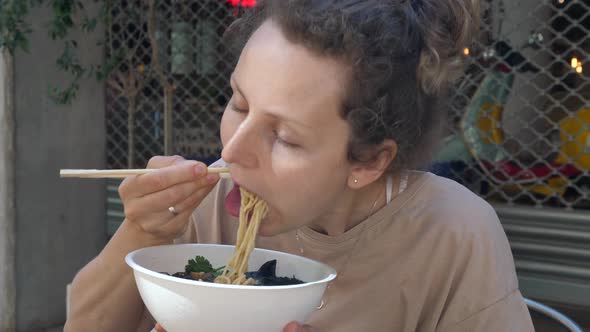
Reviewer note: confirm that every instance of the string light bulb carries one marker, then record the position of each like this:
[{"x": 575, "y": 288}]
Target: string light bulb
[
  {"x": 579, "y": 68},
  {"x": 466, "y": 51},
  {"x": 575, "y": 62}
]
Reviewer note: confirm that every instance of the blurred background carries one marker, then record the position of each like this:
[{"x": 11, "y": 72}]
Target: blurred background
[{"x": 109, "y": 84}]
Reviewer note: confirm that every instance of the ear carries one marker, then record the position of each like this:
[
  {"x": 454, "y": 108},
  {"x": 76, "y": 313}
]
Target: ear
[{"x": 365, "y": 173}]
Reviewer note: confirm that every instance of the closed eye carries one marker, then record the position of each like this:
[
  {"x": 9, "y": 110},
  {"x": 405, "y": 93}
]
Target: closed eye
[
  {"x": 284, "y": 142},
  {"x": 236, "y": 109}
]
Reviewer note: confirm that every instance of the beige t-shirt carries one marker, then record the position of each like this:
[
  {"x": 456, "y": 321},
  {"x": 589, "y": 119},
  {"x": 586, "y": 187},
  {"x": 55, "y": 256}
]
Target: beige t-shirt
[{"x": 434, "y": 259}]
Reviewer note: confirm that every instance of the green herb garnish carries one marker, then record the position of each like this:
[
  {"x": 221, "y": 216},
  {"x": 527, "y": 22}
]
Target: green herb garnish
[
  {"x": 198, "y": 264},
  {"x": 202, "y": 264}
]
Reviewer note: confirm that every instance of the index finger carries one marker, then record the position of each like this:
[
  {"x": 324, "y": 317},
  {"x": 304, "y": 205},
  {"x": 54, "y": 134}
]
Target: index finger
[
  {"x": 164, "y": 161},
  {"x": 163, "y": 178}
]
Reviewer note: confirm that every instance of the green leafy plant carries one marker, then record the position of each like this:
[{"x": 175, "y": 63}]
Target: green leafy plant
[
  {"x": 67, "y": 16},
  {"x": 123, "y": 70},
  {"x": 13, "y": 27}
]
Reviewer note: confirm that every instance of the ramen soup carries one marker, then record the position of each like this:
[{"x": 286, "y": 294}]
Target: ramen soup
[
  {"x": 200, "y": 269},
  {"x": 252, "y": 211}
]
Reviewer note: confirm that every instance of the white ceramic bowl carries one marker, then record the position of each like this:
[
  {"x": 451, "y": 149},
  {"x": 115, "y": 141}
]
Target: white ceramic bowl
[{"x": 181, "y": 305}]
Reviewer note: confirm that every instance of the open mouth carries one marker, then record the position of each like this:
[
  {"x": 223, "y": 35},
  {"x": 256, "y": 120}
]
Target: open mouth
[{"x": 233, "y": 200}]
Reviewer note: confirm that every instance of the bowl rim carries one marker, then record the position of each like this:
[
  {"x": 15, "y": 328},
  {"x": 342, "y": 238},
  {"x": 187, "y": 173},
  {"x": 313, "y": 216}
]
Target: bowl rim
[{"x": 129, "y": 259}]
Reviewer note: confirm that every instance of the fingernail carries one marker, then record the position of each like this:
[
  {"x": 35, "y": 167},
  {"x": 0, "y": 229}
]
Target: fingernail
[
  {"x": 200, "y": 170},
  {"x": 211, "y": 178}
]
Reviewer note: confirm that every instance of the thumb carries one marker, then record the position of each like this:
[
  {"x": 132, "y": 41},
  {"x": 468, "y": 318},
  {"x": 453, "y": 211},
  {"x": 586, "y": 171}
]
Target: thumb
[{"x": 296, "y": 327}]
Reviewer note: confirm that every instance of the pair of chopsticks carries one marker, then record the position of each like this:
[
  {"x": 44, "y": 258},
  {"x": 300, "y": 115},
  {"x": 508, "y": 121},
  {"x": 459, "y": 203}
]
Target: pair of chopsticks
[{"x": 123, "y": 173}]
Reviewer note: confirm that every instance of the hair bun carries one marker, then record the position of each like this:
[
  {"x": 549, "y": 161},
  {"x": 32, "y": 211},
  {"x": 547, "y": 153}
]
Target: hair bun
[{"x": 447, "y": 28}]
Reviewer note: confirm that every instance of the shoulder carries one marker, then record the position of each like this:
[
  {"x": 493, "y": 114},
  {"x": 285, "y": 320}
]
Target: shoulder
[
  {"x": 474, "y": 264},
  {"x": 463, "y": 223},
  {"x": 450, "y": 208},
  {"x": 447, "y": 196}
]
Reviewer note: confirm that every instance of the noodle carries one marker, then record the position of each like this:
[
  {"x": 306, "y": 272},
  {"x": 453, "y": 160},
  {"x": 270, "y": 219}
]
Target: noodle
[{"x": 253, "y": 208}]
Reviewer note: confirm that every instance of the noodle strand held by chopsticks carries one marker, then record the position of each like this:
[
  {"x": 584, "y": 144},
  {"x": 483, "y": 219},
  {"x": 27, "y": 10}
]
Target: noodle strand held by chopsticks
[{"x": 254, "y": 209}]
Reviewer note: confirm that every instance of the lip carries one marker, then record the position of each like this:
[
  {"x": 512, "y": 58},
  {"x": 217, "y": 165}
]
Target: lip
[
  {"x": 236, "y": 182},
  {"x": 239, "y": 184},
  {"x": 249, "y": 190},
  {"x": 235, "y": 175}
]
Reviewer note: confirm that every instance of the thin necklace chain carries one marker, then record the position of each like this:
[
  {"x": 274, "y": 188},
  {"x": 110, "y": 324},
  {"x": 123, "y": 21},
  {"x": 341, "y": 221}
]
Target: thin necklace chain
[{"x": 348, "y": 258}]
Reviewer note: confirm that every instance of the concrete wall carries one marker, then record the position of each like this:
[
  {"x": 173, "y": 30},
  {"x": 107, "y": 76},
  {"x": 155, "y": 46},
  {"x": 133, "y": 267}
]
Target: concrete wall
[
  {"x": 7, "y": 199},
  {"x": 59, "y": 222}
]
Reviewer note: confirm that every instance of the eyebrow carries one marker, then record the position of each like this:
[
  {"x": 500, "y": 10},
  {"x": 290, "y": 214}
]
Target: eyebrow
[{"x": 275, "y": 114}]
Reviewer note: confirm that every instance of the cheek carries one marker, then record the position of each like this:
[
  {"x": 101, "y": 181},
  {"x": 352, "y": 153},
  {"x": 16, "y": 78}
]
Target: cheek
[
  {"x": 304, "y": 194},
  {"x": 310, "y": 169}
]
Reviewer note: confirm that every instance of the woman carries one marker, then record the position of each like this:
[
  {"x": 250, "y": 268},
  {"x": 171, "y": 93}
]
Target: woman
[{"x": 333, "y": 102}]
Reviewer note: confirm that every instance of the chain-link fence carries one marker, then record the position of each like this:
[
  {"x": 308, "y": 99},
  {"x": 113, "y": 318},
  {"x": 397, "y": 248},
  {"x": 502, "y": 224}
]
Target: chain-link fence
[
  {"x": 519, "y": 130},
  {"x": 519, "y": 124},
  {"x": 167, "y": 93}
]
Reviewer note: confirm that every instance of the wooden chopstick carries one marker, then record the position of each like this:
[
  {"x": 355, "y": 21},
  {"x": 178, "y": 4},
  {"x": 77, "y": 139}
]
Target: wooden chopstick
[{"x": 123, "y": 173}]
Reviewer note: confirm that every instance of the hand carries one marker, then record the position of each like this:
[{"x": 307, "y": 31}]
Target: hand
[
  {"x": 291, "y": 327},
  {"x": 177, "y": 183}
]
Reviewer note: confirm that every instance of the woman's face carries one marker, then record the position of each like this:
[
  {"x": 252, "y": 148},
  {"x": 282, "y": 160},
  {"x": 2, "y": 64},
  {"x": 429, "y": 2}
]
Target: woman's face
[{"x": 282, "y": 132}]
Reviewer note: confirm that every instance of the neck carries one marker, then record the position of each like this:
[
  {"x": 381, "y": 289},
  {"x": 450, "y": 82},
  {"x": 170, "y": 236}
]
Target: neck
[{"x": 355, "y": 207}]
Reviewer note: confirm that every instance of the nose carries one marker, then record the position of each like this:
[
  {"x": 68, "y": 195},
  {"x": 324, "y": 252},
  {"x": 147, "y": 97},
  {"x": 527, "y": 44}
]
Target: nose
[{"x": 240, "y": 149}]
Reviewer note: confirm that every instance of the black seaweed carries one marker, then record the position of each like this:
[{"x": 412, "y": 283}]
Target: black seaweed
[{"x": 265, "y": 276}]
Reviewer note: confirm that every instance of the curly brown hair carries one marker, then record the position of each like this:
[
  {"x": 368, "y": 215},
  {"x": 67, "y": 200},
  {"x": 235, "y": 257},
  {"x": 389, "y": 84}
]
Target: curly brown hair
[{"x": 404, "y": 55}]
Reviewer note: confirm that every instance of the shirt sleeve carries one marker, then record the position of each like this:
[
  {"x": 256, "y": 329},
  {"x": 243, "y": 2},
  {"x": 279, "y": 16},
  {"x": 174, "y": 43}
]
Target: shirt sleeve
[
  {"x": 476, "y": 286},
  {"x": 508, "y": 314}
]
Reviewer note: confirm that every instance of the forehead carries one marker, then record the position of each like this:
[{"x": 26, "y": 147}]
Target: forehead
[{"x": 273, "y": 72}]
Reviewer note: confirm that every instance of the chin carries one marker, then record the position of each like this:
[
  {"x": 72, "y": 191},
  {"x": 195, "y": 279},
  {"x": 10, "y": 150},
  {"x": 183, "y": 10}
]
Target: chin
[
  {"x": 268, "y": 229},
  {"x": 271, "y": 227}
]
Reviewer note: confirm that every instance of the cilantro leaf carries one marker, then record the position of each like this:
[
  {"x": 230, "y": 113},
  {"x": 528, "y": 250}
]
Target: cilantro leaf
[{"x": 198, "y": 264}]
